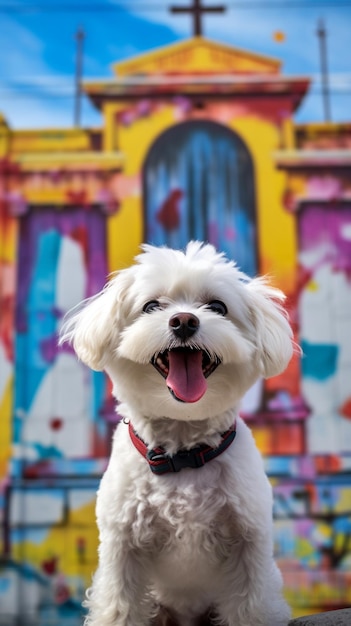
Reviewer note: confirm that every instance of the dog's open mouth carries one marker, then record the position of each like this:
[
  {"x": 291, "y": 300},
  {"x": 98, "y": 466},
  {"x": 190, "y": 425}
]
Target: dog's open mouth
[{"x": 185, "y": 371}]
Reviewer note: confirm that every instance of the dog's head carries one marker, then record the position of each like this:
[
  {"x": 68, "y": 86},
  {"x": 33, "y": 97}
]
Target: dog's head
[{"x": 182, "y": 334}]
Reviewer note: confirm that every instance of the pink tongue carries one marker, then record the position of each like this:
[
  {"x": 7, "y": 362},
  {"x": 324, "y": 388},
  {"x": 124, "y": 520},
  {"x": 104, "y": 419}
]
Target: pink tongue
[{"x": 185, "y": 377}]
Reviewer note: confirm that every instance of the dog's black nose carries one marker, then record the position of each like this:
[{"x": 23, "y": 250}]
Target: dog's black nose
[{"x": 184, "y": 325}]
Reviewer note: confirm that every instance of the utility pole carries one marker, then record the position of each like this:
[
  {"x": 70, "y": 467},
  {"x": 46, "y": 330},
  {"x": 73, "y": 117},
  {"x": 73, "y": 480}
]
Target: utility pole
[
  {"x": 322, "y": 36},
  {"x": 80, "y": 36}
]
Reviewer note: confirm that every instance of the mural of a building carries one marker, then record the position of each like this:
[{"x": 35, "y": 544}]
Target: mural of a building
[{"x": 197, "y": 140}]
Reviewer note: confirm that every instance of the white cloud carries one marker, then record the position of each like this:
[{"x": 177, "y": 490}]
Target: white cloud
[
  {"x": 31, "y": 93},
  {"x": 25, "y": 55},
  {"x": 34, "y": 93},
  {"x": 25, "y": 110}
]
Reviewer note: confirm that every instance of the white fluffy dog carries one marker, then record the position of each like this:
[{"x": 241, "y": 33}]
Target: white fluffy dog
[{"x": 185, "y": 508}]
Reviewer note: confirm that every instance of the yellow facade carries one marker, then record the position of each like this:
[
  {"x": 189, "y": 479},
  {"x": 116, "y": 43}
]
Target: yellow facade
[{"x": 262, "y": 136}]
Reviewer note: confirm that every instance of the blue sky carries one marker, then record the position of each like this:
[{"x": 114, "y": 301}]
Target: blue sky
[{"x": 38, "y": 48}]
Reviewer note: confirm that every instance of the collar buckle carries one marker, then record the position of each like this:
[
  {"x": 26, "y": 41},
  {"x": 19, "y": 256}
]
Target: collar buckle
[{"x": 182, "y": 459}]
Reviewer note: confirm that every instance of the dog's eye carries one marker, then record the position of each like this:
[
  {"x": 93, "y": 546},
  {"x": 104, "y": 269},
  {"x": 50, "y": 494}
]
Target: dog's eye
[
  {"x": 217, "y": 306},
  {"x": 151, "y": 306}
]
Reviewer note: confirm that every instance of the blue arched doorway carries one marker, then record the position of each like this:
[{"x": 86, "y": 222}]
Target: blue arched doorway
[{"x": 199, "y": 184}]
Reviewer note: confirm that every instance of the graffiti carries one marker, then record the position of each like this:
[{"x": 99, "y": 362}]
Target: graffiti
[
  {"x": 325, "y": 259},
  {"x": 198, "y": 180},
  {"x": 169, "y": 213},
  {"x": 204, "y": 170}
]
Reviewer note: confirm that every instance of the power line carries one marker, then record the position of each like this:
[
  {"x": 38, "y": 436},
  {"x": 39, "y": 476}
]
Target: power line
[
  {"x": 42, "y": 85},
  {"x": 339, "y": 81},
  {"x": 70, "y": 7}
]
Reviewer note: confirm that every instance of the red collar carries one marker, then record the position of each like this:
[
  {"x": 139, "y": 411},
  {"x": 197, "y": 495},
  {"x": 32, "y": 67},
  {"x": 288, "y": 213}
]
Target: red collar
[{"x": 162, "y": 463}]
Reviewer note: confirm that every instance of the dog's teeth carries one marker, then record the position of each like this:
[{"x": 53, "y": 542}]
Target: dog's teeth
[{"x": 161, "y": 365}]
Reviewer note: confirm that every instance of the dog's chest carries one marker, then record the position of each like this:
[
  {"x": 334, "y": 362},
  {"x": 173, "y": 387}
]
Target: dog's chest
[
  {"x": 189, "y": 519},
  {"x": 190, "y": 535}
]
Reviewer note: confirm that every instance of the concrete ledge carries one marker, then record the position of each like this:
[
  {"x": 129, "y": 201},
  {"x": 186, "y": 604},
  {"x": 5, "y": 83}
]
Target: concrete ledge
[{"x": 331, "y": 618}]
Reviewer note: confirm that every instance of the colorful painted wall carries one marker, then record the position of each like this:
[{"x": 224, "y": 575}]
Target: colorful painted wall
[{"x": 197, "y": 140}]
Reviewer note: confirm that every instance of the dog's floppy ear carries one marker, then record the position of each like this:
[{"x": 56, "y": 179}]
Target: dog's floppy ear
[
  {"x": 93, "y": 327},
  {"x": 273, "y": 331}
]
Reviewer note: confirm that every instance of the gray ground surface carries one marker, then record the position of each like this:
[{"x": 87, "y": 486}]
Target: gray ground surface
[{"x": 331, "y": 618}]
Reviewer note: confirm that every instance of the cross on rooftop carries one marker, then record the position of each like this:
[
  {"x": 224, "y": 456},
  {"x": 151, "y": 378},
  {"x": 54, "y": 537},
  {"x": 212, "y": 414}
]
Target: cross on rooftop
[{"x": 197, "y": 10}]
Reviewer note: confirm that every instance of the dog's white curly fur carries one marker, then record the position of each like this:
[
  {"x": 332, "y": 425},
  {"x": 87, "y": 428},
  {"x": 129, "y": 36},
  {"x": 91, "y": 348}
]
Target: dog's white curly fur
[{"x": 199, "y": 538}]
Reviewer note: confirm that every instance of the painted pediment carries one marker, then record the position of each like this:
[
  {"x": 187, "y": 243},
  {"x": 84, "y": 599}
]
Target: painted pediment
[{"x": 197, "y": 55}]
